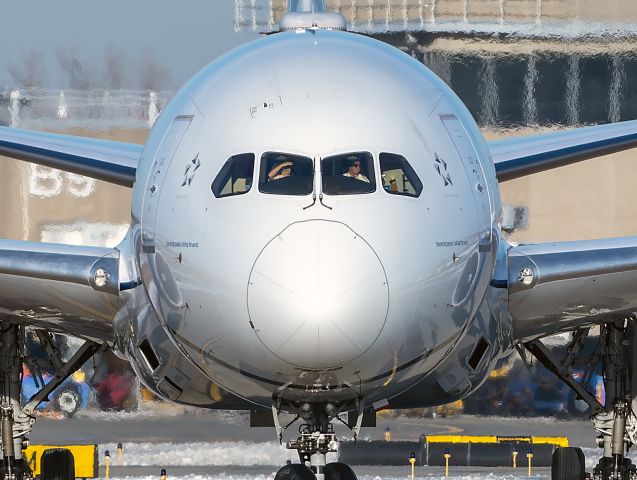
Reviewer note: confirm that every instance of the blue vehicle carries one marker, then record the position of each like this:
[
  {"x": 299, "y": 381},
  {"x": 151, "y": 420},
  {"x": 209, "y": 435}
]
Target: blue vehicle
[{"x": 73, "y": 394}]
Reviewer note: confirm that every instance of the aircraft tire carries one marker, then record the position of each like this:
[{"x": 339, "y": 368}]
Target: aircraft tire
[
  {"x": 68, "y": 402},
  {"x": 568, "y": 464},
  {"x": 293, "y": 471},
  {"x": 57, "y": 464},
  {"x": 339, "y": 471}
]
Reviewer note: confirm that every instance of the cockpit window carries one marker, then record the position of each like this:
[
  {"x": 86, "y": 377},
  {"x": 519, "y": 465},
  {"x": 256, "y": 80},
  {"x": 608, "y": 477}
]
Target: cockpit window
[
  {"x": 398, "y": 176},
  {"x": 286, "y": 174},
  {"x": 235, "y": 177},
  {"x": 348, "y": 174}
]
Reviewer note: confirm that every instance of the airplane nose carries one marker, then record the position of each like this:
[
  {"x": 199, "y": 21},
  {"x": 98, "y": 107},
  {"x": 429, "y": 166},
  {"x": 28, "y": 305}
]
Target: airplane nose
[{"x": 318, "y": 295}]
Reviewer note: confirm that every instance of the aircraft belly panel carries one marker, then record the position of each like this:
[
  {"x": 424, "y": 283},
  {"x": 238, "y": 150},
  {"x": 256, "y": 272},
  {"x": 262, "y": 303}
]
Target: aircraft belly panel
[
  {"x": 167, "y": 371},
  {"x": 456, "y": 376}
]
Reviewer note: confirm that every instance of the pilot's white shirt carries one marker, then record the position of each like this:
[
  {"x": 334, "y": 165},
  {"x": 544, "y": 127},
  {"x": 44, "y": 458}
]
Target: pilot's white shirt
[{"x": 360, "y": 176}]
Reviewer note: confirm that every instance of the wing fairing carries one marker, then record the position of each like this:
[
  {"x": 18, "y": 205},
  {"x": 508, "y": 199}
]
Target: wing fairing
[
  {"x": 554, "y": 287},
  {"x": 95, "y": 267}
]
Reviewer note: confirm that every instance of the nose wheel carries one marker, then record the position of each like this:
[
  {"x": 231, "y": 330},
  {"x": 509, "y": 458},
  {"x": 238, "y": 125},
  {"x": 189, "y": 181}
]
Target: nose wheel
[
  {"x": 331, "y": 471},
  {"x": 339, "y": 471},
  {"x": 316, "y": 440},
  {"x": 294, "y": 471}
]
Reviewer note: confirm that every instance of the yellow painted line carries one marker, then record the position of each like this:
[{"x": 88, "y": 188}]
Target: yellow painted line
[
  {"x": 85, "y": 456},
  {"x": 521, "y": 439},
  {"x": 461, "y": 439},
  {"x": 560, "y": 441}
]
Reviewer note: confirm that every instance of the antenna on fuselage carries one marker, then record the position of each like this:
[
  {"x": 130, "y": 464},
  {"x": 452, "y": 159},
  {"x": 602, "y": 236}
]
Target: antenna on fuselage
[{"x": 311, "y": 14}]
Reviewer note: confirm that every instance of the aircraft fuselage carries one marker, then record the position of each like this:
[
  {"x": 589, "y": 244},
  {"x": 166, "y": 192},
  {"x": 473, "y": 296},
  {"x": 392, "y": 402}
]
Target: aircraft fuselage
[{"x": 312, "y": 295}]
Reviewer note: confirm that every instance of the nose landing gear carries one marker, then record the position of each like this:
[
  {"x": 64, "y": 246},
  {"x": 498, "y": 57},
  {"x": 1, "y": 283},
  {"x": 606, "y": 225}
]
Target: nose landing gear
[
  {"x": 316, "y": 440},
  {"x": 313, "y": 445}
]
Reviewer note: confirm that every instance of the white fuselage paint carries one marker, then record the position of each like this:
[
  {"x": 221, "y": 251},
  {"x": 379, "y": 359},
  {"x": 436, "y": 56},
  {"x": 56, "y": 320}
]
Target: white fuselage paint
[{"x": 407, "y": 307}]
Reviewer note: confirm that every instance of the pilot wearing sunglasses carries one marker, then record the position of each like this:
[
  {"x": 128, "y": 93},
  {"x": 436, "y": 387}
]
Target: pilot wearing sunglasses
[{"x": 354, "y": 170}]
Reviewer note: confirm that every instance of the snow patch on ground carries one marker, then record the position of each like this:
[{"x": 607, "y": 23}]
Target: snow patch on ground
[
  {"x": 243, "y": 454},
  {"x": 150, "y": 411},
  {"x": 199, "y": 454},
  {"x": 204, "y": 477},
  {"x": 490, "y": 476},
  {"x": 592, "y": 456}
]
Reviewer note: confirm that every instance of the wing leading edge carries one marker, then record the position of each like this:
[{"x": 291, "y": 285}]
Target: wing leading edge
[
  {"x": 560, "y": 286},
  {"x": 111, "y": 161},
  {"x": 520, "y": 156}
]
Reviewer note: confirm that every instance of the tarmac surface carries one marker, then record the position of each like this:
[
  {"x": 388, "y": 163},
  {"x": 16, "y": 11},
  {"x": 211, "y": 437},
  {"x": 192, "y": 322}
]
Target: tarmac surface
[
  {"x": 100, "y": 427},
  {"x": 221, "y": 441},
  {"x": 362, "y": 472}
]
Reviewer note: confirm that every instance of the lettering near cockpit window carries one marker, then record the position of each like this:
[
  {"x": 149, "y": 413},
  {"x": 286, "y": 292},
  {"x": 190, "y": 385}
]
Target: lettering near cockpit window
[
  {"x": 264, "y": 105},
  {"x": 183, "y": 244},
  {"x": 454, "y": 243}
]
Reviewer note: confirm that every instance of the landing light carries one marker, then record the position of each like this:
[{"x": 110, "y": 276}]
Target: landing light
[
  {"x": 526, "y": 276},
  {"x": 102, "y": 277}
]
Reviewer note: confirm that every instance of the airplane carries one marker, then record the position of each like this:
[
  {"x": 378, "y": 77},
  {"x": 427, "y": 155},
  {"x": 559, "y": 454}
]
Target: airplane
[{"x": 315, "y": 230}]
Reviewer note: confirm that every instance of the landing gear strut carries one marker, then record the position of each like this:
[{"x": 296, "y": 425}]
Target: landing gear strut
[
  {"x": 617, "y": 426},
  {"x": 316, "y": 440},
  {"x": 16, "y": 420},
  {"x": 14, "y": 424},
  {"x": 615, "y": 421}
]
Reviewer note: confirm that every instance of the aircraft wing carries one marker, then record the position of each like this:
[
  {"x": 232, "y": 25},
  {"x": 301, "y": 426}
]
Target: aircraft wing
[
  {"x": 559, "y": 286},
  {"x": 111, "y": 161},
  {"x": 69, "y": 289},
  {"x": 519, "y": 156}
]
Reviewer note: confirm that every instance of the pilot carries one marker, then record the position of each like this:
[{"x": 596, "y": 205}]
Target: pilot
[
  {"x": 354, "y": 170},
  {"x": 282, "y": 170}
]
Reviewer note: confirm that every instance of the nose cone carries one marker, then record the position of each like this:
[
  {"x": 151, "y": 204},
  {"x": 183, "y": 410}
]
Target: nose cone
[{"x": 318, "y": 295}]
